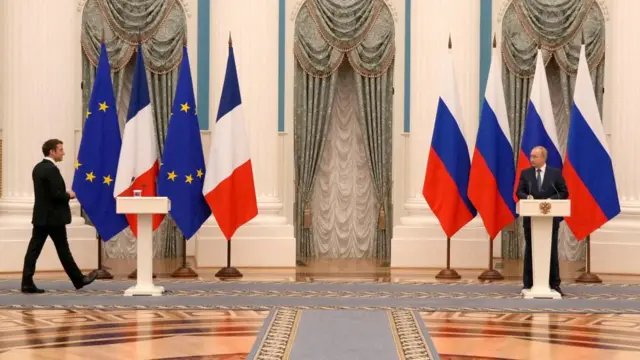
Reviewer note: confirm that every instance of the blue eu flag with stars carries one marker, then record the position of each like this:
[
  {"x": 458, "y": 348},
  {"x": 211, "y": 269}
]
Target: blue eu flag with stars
[
  {"x": 97, "y": 162},
  {"x": 182, "y": 171}
]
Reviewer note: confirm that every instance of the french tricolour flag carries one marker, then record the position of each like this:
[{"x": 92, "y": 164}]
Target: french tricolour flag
[
  {"x": 228, "y": 185},
  {"x": 138, "y": 163},
  {"x": 492, "y": 175},
  {"x": 588, "y": 170},
  {"x": 447, "y": 176},
  {"x": 539, "y": 125}
]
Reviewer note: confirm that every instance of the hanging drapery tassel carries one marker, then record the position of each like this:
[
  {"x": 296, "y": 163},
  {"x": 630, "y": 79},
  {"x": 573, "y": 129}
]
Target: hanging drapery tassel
[
  {"x": 306, "y": 219},
  {"x": 382, "y": 223}
]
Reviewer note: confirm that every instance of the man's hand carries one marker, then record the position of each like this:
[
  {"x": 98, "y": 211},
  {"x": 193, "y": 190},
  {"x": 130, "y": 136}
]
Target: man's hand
[{"x": 72, "y": 194}]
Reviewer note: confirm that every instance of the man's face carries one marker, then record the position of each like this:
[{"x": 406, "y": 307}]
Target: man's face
[
  {"x": 57, "y": 154},
  {"x": 537, "y": 160}
]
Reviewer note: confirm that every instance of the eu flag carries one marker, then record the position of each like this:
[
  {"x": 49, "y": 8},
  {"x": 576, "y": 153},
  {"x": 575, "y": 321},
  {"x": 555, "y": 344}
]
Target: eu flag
[
  {"x": 182, "y": 170},
  {"x": 97, "y": 160}
]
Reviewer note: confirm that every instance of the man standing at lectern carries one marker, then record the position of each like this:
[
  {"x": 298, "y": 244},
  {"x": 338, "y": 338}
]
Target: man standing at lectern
[
  {"x": 541, "y": 182},
  {"x": 51, "y": 214}
]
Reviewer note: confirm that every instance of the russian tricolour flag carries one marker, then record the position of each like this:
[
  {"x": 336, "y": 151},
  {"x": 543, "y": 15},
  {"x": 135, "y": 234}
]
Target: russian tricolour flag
[
  {"x": 228, "y": 185},
  {"x": 447, "y": 176},
  {"x": 588, "y": 170},
  {"x": 539, "y": 125},
  {"x": 492, "y": 175},
  {"x": 138, "y": 163}
]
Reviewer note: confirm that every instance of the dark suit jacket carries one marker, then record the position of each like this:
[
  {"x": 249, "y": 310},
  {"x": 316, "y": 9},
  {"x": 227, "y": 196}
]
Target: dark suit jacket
[
  {"x": 51, "y": 207},
  {"x": 553, "y": 186}
]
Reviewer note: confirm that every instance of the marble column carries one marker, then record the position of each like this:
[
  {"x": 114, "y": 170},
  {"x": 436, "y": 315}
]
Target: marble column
[
  {"x": 259, "y": 89},
  {"x": 432, "y": 23},
  {"x": 39, "y": 94},
  {"x": 616, "y": 246},
  {"x": 267, "y": 240},
  {"x": 40, "y": 98},
  {"x": 418, "y": 239}
]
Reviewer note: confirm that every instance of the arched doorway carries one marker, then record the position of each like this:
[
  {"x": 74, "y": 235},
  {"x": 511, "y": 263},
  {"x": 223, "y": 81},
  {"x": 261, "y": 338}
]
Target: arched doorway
[{"x": 343, "y": 89}]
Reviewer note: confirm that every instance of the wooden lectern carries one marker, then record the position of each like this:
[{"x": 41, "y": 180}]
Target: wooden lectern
[
  {"x": 542, "y": 213},
  {"x": 144, "y": 208}
]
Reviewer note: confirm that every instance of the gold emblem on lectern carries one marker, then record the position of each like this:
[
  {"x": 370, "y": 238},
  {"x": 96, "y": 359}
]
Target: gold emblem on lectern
[{"x": 545, "y": 207}]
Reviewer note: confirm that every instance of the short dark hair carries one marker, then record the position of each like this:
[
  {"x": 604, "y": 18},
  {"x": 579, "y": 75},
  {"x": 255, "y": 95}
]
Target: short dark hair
[{"x": 51, "y": 144}]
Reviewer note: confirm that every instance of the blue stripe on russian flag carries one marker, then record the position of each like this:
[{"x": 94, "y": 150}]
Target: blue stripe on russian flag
[
  {"x": 140, "y": 88},
  {"x": 451, "y": 147},
  {"x": 230, "y": 97},
  {"x": 536, "y": 135}
]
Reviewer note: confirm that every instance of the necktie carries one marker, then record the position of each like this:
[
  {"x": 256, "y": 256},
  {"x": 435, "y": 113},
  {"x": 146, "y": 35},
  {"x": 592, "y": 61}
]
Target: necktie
[{"x": 539, "y": 179}]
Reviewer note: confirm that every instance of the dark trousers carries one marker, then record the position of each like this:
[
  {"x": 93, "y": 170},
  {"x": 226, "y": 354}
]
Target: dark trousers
[
  {"x": 59, "y": 236},
  {"x": 554, "y": 266}
]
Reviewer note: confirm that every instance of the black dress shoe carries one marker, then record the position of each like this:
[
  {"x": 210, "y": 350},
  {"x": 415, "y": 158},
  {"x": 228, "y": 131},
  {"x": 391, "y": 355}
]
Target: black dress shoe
[
  {"x": 87, "y": 279},
  {"x": 31, "y": 289},
  {"x": 557, "y": 288}
]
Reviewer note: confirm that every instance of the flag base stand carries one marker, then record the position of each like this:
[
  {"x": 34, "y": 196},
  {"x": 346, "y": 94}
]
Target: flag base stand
[
  {"x": 229, "y": 273},
  {"x": 134, "y": 274},
  {"x": 103, "y": 274},
  {"x": 448, "y": 273},
  {"x": 588, "y": 277},
  {"x": 491, "y": 273},
  {"x": 184, "y": 271}
]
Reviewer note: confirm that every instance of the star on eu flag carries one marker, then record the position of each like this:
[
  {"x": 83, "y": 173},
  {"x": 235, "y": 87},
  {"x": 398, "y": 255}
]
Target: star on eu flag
[
  {"x": 172, "y": 176},
  {"x": 90, "y": 176},
  {"x": 107, "y": 180},
  {"x": 77, "y": 164},
  {"x": 88, "y": 113},
  {"x": 184, "y": 107},
  {"x": 103, "y": 106},
  {"x": 200, "y": 173},
  {"x": 189, "y": 179}
]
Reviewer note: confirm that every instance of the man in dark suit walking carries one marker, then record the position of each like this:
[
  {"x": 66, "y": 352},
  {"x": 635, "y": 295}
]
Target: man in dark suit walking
[
  {"x": 541, "y": 182},
  {"x": 51, "y": 214}
]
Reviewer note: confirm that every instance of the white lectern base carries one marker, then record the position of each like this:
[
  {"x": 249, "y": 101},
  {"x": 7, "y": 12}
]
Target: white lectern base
[
  {"x": 150, "y": 290},
  {"x": 534, "y": 293}
]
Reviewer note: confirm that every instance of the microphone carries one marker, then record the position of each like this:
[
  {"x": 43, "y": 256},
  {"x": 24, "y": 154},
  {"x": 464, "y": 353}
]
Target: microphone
[
  {"x": 557, "y": 192},
  {"x": 530, "y": 196}
]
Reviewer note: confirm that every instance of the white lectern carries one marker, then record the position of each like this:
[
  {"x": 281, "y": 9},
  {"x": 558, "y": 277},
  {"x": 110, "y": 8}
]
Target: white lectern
[
  {"x": 144, "y": 208},
  {"x": 542, "y": 213}
]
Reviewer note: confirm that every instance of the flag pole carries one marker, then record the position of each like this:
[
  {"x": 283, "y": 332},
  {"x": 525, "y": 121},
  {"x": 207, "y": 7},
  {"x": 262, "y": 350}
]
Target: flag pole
[
  {"x": 491, "y": 273},
  {"x": 587, "y": 276},
  {"x": 228, "y": 272},
  {"x": 103, "y": 273},
  {"x": 448, "y": 272},
  {"x": 184, "y": 271}
]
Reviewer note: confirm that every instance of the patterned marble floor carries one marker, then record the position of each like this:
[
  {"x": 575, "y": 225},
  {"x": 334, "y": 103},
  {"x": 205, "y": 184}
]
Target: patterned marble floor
[
  {"x": 142, "y": 334},
  {"x": 229, "y": 335}
]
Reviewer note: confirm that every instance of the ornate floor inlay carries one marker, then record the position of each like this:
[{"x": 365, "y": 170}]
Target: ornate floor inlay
[{"x": 517, "y": 336}]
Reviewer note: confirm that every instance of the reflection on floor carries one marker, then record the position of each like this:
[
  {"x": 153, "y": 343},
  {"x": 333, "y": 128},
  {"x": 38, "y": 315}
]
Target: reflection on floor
[
  {"x": 142, "y": 334},
  {"x": 350, "y": 270},
  {"x": 188, "y": 334},
  {"x": 229, "y": 335},
  {"x": 534, "y": 336}
]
